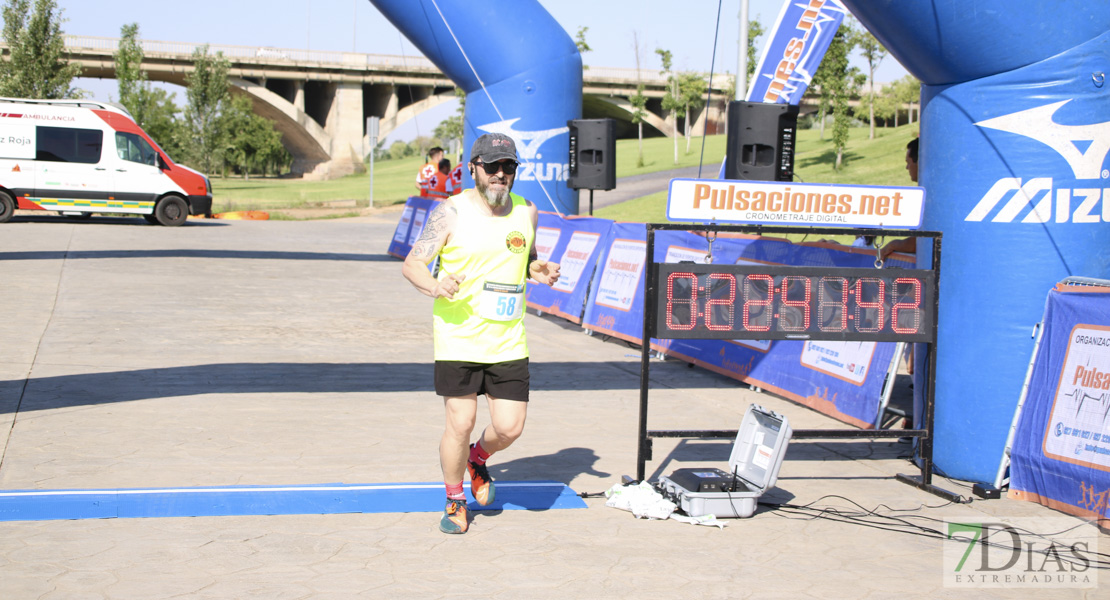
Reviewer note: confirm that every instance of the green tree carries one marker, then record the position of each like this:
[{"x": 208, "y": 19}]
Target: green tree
[
  {"x": 834, "y": 81},
  {"x": 691, "y": 91},
  {"x": 908, "y": 91},
  {"x": 36, "y": 65},
  {"x": 163, "y": 123},
  {"x": 129, "y": 74},
  {"x": 874, "y": 53},
  {"x": 153, "y": 109},
  {"x": 399, "y": 150},
  {"x": 638, "y": 101},
  {"x": 254, "y": 145},
  {"x": 755, "y": 31},
  {"x": 639, "y": 111},
  {"x": 580, "y": 43},
  {"x": 421, "y": 145},
  {"x": 208, "y": 98},
  {"x": 886, "y": 105},
  {"x": 671, "y": 100}
]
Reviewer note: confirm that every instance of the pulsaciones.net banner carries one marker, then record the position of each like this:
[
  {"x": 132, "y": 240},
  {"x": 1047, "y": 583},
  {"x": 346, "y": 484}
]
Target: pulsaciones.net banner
[{"x": 787, "y": 203}]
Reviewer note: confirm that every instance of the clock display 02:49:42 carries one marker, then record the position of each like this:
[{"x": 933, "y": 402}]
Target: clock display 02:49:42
[{"x": 771, "y": 302}]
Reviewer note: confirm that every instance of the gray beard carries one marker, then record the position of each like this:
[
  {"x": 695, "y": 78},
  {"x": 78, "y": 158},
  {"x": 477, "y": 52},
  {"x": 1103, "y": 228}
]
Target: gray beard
[{"x": 493, "y": 199}]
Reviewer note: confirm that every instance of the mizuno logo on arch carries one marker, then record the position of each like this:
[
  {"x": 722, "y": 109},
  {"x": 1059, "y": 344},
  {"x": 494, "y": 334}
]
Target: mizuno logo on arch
[
  {"x": 1037, "y": 124},
  {"x": 528, "y": 145},
  {"x": 1083, "y": 147}
]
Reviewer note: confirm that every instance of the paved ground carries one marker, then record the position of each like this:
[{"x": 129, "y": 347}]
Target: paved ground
[{"x": 251, "y": 353}]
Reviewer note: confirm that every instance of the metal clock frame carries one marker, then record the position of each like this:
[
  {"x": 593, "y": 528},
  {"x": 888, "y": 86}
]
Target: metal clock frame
[{"x": 924, "y": 436}]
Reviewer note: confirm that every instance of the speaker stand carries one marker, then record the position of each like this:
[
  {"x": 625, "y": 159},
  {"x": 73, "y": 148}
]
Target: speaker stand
[{"x": 591, "y": 203}]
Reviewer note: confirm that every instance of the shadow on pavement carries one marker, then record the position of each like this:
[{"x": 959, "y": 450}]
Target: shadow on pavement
[
  {"x": 42, "y": 393},
  {"x": 191, "y": 253}
]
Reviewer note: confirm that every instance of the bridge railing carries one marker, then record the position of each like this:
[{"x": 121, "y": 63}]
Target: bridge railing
[
  {"x": 262, "y": 54},
  {"x": 272, "y": 55}
]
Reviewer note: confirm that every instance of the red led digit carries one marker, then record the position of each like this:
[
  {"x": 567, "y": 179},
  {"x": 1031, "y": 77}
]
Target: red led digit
[
  {"x": 832, "y": 304},
  {"x": 725, "y": 303},
  {"x": 752, "y": 291},
  {"x": 691, "y": 303},
  {"x": 896, "y": 320},
  {"x": 863, "y": 307},
  {"x": 794, "y": 315}
]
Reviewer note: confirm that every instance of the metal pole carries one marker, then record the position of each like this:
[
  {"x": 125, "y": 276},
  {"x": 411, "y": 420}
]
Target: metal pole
[
  {"x": 372, "y": 134},
  {"x": 926, "y": 445},
  {"x": 591, "y": 203},
  {"x": 643, "y": 453},
  {"x": 742, "y": 55}
]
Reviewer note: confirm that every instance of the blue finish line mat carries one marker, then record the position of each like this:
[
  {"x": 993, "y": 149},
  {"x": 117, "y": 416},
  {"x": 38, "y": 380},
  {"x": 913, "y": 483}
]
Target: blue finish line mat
[{"x": 48, "y": 505}]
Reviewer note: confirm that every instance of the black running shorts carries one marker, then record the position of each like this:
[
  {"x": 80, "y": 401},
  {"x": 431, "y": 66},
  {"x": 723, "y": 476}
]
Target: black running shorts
[{"x": 505, "y": 380}]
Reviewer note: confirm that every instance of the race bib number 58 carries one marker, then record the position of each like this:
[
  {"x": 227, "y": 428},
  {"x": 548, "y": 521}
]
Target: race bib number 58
[{"x": 501, "y": 301}]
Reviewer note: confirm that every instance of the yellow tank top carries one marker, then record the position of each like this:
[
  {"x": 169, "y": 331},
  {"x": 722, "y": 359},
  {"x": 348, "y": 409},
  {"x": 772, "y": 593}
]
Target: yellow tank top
[{"x": 484, "y": 323}]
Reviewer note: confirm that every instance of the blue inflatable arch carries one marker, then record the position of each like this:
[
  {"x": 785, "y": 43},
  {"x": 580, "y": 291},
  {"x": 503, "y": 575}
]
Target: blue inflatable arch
[
  {"x": 1015, "y": 129},
  {"x": 522, "y": 75}
]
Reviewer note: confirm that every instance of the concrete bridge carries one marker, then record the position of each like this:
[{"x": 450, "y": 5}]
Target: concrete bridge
[{"x": 320, "y": 100}]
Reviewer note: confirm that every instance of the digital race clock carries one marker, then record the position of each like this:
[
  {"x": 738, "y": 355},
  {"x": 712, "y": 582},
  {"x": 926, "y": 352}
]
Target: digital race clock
[{"x": 774, "y": 302}]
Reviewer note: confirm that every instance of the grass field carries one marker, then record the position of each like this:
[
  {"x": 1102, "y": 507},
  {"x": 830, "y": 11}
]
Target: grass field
[
  {"x": 881, "y": 161},
  {"x": 393, "y": 183},
  {"x": 877, "y": 162}
]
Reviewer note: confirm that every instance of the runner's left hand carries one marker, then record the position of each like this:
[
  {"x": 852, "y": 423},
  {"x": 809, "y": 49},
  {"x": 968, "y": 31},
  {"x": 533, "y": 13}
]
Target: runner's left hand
[{"x": 543, "y": 271}]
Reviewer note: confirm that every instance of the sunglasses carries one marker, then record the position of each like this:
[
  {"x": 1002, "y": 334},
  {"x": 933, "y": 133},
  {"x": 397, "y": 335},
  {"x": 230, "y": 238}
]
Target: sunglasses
[{"x": 492, "y": 168}]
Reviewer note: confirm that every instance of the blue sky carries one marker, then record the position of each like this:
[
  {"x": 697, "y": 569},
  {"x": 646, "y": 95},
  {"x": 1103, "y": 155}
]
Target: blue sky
[{"x": 356, "y": 25}]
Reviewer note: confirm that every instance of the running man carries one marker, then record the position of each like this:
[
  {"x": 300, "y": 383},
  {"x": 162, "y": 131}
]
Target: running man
[{"x": 484, "y": 240}]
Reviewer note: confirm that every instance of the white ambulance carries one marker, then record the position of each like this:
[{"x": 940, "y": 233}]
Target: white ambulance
[{"x": 80, "y": 157}]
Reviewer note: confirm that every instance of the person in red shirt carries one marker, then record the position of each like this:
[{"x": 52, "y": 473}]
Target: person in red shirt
[
  {"x": 455, "y": 181},
  {"x": 423, "y": 178},
  {"x": 438, "y": 184}
]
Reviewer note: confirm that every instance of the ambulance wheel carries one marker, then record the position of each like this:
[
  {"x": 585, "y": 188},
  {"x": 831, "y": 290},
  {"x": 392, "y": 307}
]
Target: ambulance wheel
[
  {"x": 171, "y": 211},
  {"x": 153, "y": 220},
  {"x": 7, "y": 207}
]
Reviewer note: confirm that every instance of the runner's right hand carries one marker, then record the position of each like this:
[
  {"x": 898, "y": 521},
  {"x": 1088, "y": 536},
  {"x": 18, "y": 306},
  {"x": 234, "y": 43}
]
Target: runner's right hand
[{"x": 448, "y": 286}]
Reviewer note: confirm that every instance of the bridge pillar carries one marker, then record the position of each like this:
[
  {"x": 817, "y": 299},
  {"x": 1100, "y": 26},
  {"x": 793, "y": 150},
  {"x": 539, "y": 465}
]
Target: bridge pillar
[
  {"x": 298, "y": 95},
  {"x": 344, "y": 124},
  {"x": 392, "y": 106}
]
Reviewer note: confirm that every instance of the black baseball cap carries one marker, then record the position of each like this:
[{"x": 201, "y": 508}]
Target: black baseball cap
[{"x": 492, "y": 147}]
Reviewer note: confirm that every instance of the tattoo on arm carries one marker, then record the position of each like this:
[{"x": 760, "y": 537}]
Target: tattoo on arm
[{"x": 434, "y": 234}]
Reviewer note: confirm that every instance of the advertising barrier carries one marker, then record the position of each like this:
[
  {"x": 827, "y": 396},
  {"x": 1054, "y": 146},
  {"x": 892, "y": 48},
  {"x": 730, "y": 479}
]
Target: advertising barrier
[
  {"x": 1061, "y": 449},
  {"x": 574, "y": 243},
  {"x": 410, "y": 226},
  {"x": 616, "y": 302}
]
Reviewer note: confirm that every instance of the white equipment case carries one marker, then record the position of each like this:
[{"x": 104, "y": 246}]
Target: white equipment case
[{"x": 754, "y": 467}]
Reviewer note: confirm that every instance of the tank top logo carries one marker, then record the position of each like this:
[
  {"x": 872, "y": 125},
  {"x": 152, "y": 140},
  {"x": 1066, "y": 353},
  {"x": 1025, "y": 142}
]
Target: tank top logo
[{"x": 515, "y": 242}]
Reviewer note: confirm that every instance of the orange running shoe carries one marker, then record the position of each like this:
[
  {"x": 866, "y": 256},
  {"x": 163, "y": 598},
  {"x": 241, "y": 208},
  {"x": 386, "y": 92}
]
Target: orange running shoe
[
  {"x": 454, "y": 517},
  {"x": 481, "y": 485}
]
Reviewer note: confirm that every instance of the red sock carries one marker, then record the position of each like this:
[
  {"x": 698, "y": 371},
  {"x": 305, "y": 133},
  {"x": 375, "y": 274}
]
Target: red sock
[
  {"x": 477, "y": 454},
  {"x": 455, "y": 491}
]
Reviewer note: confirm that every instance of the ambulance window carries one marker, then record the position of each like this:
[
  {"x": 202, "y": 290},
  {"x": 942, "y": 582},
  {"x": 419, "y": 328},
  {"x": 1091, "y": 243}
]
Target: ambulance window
[
  {"x": 132, "y": 147},
  {"x": 66, "y": 144}
]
